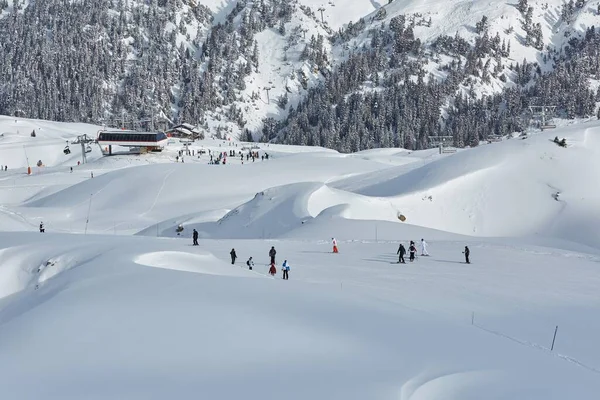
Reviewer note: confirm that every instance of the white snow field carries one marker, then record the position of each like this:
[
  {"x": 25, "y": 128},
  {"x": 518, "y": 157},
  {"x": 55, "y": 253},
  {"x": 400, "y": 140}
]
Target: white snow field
[{"x": 111, "y": 303}]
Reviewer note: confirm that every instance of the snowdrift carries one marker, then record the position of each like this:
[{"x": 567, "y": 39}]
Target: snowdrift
[
  {"x": 514, "y": 188},
  {"x": 278, "y": 211}
]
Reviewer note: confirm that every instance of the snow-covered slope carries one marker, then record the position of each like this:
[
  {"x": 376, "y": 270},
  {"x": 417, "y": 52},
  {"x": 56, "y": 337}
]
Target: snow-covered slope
[{"x": 110, "y": 302}]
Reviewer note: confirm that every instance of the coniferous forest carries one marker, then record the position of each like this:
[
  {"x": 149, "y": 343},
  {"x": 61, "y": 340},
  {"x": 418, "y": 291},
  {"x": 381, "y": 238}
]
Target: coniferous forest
[{"x": 93, "y": 60}]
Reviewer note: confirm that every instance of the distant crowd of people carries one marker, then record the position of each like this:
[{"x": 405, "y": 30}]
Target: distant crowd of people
[{"x": 220, "y": 157}]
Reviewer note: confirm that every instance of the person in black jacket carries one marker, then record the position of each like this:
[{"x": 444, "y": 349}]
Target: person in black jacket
[
  {"x": 466, "y": 253},
  {"x": 195, "y": 237},
  {"x": 272, "y": 253},
  {"x": 233, "y": 256},
  {"x": 401, "y": 251}
]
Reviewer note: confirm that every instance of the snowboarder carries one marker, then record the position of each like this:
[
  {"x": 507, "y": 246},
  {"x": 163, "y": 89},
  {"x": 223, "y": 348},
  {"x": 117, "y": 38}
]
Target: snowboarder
[
  {"x": 272, "y": 270},
  {"x": 412, "y": 250},
  {"x": 466, "y": 253},
  {"x": 272, "y": 253},
  {"x": 424, "y": 248},
  {"x": 286, "y": 270},
  {"x": 233, "y": 256},
  {"x": 334, "y": 242},
  {"x": 195, "y": 237},
  {"x": 401, "y": 251},
  {"x": 250, "y": 263},
  {"x": 42, "y": 229}
]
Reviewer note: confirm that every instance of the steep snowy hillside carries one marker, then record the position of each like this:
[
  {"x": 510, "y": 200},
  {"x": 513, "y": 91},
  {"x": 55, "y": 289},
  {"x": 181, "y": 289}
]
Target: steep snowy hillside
[{"x": 298, "y": 70}]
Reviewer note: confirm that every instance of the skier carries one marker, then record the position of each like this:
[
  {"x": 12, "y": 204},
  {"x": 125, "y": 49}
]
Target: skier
[
  {"x": 42, "y": 229},
  {"x": 401, "y": 251},
  {"x": 412, "y": 249},
  {"x": 195, "y": 237},
  {"x": 334, "y": 242},
  {"x": 466, "y": 253},
  {"x": 272, "y": 253},
  {"x": 233, "y": 256},
  {"x": 272, "y": 270},
  {"x": 250, "y": 263},
  {"x": 286, "y": 270},
  {"x": 92, "y": 174},
  {"x": 71, "y": 169},
  {"x": 424, "y": 248}
]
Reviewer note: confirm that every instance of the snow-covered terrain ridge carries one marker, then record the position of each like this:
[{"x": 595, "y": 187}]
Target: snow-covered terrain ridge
[{"x": 110, "y": 302}]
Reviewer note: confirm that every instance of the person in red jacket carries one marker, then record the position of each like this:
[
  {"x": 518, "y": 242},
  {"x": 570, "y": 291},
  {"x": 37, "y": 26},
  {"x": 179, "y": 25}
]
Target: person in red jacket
[{"x": 272, "y": 270}]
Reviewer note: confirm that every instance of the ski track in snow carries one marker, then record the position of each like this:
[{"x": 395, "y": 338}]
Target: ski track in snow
[
  {"x": 158, "y": 194},
  {"x": 539, "y": 347}
]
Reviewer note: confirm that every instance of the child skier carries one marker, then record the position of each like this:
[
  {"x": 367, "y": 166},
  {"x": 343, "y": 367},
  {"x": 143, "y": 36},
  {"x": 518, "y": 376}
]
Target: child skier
[
  {"x": 412, "y": 250},
  {"x": 272, "y": 270},
  {"x": 250, "y": 263}
]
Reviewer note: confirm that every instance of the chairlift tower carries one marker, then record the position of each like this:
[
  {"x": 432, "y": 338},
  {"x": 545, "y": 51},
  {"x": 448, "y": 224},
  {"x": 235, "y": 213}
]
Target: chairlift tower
[
  {"x": 268, "y": 89},
  {"x": 84, "y": 140},
  {"x": 544, "y": 114},
  {"x": 322, "y": 9}
]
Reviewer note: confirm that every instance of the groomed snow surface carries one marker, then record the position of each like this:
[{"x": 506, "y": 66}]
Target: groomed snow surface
[{"x": 111, "y": 303}]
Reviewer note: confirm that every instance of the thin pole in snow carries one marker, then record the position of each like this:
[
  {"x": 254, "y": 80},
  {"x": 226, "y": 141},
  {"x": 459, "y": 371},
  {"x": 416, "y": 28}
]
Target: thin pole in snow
[
  {"x": 473, "y": 318},
  {"x": 88, "y": 215},
  {"x": 554, "y": 339},
  {"x": 376, "y": 234}
]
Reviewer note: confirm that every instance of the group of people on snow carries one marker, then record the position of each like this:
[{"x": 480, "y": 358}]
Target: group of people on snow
[
  {"x": 412, "y": 250},
  {"x": 285, "y": 267}
]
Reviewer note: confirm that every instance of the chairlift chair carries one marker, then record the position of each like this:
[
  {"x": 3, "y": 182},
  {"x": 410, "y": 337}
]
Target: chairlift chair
[{"x": 67, "y": 150}]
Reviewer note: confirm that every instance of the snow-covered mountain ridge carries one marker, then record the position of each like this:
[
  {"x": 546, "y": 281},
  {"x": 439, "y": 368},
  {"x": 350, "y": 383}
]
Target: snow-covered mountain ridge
[{"x": 241, "y": 67}]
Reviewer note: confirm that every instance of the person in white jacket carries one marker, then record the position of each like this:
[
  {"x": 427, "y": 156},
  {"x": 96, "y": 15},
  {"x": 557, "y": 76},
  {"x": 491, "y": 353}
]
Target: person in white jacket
[
  {"x": 334, "y": 242},
  {"x": 424, "y": 248}
]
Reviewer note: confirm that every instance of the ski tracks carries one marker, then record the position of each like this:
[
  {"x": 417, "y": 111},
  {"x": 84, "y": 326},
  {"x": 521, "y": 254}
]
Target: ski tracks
[
  {"x": 160, "y": 190},
  {"x": 539, "y": 347}
]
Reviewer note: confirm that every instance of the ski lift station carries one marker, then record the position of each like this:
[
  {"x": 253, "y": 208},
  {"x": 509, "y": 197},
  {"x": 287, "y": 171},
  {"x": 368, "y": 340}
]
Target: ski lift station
[{"x": 145, "y": 141}]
